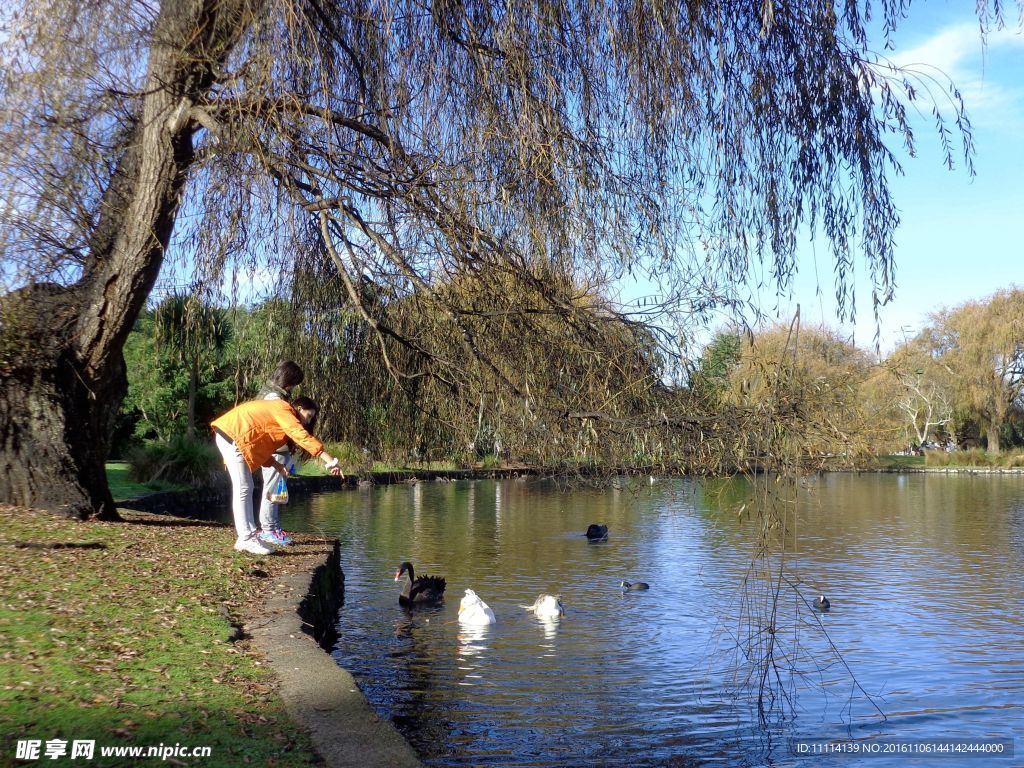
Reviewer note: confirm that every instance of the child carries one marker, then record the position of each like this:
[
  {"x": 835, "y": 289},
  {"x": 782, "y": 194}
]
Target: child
[
  {"x": 285, "y": 377},
  {"x": 247, "y": 437}
]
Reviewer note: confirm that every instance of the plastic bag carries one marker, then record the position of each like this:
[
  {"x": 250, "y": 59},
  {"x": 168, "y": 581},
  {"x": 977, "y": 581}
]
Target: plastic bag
[{"x": 279, "y": 495}]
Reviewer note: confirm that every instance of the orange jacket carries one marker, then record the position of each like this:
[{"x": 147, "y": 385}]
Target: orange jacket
[{"x": 260, "y": 427}]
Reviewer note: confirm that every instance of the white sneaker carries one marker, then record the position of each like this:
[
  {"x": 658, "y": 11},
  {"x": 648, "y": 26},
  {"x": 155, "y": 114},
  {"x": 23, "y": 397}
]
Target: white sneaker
[{"x": 252, "y": 546}]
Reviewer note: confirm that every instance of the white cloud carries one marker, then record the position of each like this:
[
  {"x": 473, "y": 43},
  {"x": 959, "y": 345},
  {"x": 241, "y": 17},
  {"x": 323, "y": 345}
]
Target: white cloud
[{"x": 985, "y": 72}]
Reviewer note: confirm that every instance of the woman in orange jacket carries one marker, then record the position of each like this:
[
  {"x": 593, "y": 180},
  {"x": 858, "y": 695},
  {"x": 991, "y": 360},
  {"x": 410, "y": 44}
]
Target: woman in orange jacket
[{"x": 247, "y": 437}]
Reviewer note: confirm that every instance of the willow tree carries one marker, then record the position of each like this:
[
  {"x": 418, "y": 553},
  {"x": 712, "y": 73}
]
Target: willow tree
[
  {"x": 806, "y": 387},
  {"x": 920, "y": 385},
  {"x": 981, "y": 346},
  {"x": 684, "y": 141}
]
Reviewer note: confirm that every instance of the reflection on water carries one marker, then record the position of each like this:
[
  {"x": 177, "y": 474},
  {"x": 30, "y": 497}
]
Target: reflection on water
[
  {"x": 472, "y": 641},
  {"x": 923, "y": 574}
]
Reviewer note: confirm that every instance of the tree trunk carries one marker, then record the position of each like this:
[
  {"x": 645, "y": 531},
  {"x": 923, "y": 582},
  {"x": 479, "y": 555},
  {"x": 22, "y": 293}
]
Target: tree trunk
[
  {"x": 61, "y": 348},
  {"x": 193, "y": 386},
  {"x": 54, "y": 425},
  {"x": 992, "y": 438}
]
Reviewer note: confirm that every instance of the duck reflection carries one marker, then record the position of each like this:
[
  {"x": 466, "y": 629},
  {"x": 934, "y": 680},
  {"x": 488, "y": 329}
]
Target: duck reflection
[
  {"x": 472, "y": 639},
  {"x": 550, "y": 628}
]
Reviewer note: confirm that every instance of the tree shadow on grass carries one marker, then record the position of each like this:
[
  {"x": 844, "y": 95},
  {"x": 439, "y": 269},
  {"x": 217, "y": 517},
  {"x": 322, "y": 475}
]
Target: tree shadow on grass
[{"x": 176, "y": 522}]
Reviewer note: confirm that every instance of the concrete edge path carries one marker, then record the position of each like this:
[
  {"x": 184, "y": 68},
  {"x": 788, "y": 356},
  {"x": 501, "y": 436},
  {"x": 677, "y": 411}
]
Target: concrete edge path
[{"x": 318, "y": 694}]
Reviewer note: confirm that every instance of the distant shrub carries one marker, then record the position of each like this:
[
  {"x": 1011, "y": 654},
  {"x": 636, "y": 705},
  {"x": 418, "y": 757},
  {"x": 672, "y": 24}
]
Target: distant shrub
[
  {"x": 180, "y": 460},
  {"x": 1011, "y": 460},
  {"x": 937, "y": 459},
  {"x": 975, "y": 457}
]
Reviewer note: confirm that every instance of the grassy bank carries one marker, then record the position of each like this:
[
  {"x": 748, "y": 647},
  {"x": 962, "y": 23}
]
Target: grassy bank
[
  {"x": 967, "y": 459},
  {"x": 899, "y": 462},
  {"x": 114, "y": 632},
  {"x": 123, "y": 487},
  {"x": 975, "y": 458}
]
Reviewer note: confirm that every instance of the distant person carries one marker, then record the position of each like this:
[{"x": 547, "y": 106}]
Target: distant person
[
  {"x": 247, "y": 437},
  {"x": 283, "y": 380}
]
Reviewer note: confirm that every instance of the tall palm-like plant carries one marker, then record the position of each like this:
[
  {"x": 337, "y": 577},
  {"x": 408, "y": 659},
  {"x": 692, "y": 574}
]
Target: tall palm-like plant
[{"x": 192, "y": 330}]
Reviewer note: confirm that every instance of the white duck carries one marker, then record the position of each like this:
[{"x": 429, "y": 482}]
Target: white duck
[
  {"x": 547, "y": 607},
  {"x": 474, "y": 611}
]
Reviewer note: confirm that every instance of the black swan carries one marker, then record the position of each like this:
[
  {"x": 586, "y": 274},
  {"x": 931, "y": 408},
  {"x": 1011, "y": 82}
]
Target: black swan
[
  {"x": 419, "y": 591},
  {"x": 597, "y": 532},
  {"x": 822, "y": 604},
  {"x": 636, "y": 586}
]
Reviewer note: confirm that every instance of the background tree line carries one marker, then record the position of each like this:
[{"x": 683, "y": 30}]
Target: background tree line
[{"x": 958, "y": 382}]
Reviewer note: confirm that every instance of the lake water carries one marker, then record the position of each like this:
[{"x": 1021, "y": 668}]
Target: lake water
[{"x": 923, "y": 574}]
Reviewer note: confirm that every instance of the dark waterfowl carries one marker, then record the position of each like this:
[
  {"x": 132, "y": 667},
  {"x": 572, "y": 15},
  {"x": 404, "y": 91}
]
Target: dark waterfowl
[
  {"x": 636, "y": 586},
  {"x": 822, "y": 603},
  {"x": 597, "y": 532},
  {"x": 419, "y": 591}
]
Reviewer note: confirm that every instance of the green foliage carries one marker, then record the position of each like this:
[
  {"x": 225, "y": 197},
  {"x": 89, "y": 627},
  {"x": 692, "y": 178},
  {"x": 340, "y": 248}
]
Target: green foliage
[
  {"x": 180, "y": 460},
  {"x": 379, "y": 425},
  {"x": 262, "y": 336},
  {"x": 351, "y": 456},
  {"x": 803, "y": 388},
  {"x": 710, "y": 380},
  {"x": 161, "y": 383},
  {"x": 1011, "y": 433}
]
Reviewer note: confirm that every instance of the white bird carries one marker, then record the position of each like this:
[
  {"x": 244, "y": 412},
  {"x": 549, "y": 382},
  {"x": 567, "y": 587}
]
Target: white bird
[
  {"x": 474, "y": 611},
  {"x": 547, "y": 607}
]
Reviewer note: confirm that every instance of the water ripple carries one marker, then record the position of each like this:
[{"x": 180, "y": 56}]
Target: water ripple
[{"x": 923, "y": 575}]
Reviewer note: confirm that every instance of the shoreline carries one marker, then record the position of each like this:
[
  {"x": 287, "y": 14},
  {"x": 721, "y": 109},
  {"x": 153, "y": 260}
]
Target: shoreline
[
  {"x": 321, "y": 696},
  {"x": 939, "y": 470},
  {"x": 192, "y": 502}
]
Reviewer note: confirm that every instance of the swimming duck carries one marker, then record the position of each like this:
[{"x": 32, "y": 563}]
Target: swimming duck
[
  {"x": 547, "y": 607},
  {"x": 423, "y": 590},
  {"x": 597, "y": 532},
  {"x": 822, "y": 603},
  {"x": 636, "y": 586},
  {"x": 474, "y": 611}
]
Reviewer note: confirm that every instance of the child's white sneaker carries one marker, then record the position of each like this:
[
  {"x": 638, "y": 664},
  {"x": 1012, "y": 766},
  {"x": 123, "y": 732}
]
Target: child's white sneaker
[{"x": 252, "y": 546}]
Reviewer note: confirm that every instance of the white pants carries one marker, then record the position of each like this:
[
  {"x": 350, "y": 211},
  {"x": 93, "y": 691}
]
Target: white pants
[
  {"x": 241, "y": 487},
  {"x": 270, "y": 513}
]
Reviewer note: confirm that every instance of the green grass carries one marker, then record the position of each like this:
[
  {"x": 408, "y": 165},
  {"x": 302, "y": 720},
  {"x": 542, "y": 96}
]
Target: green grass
[
  {"x": 891, "y": 462},
  {"x": 490, "y": 461},
  {"x": 124, "y": 644},
  {"x": 123, "y": 487},
  {"x": 434, "y": 466},
  {"x": 353, "y": 463}
]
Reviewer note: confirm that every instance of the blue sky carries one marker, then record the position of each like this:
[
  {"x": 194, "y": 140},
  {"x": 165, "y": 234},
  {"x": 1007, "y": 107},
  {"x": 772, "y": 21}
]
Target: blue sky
[{"x": 960, "y": 237}]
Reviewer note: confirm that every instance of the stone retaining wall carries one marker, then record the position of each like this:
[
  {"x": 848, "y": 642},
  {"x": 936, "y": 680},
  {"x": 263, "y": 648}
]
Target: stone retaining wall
[{"x": 319, "y": 608}]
